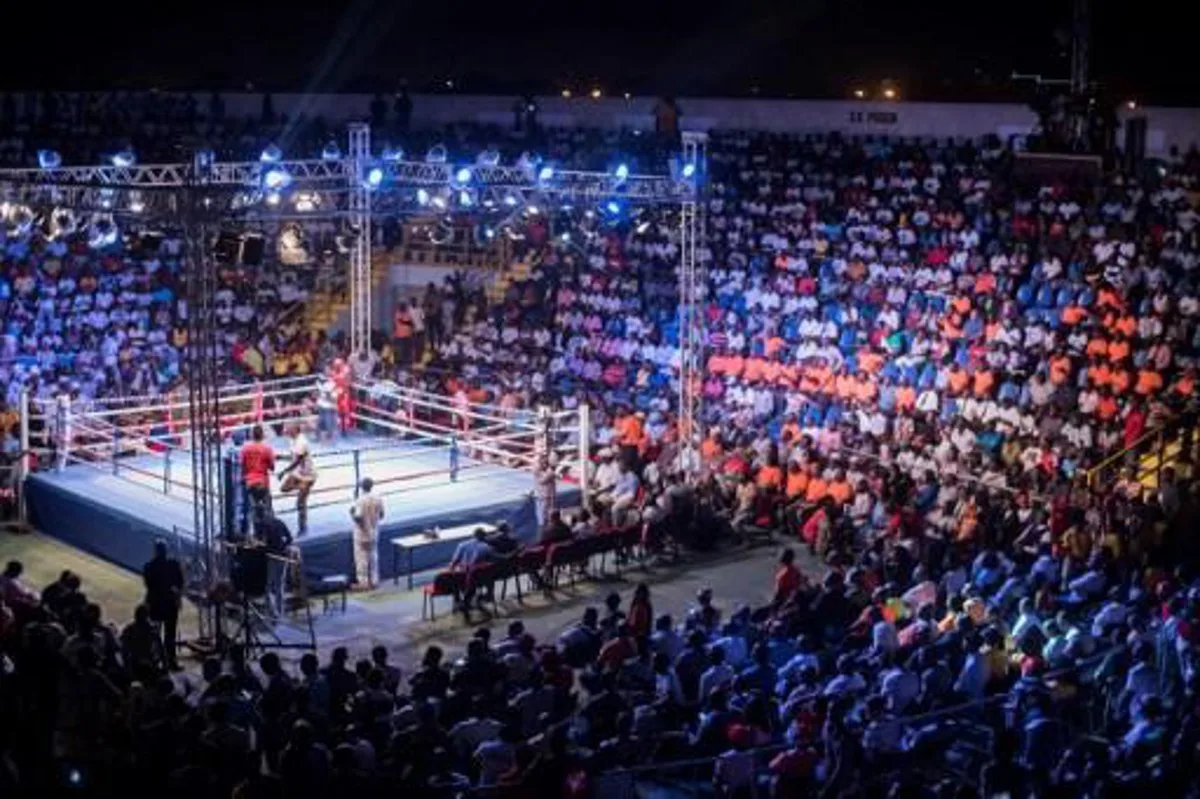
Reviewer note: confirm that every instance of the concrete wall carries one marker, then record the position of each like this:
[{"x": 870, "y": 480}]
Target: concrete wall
[{"x": 1166, "y": 127}]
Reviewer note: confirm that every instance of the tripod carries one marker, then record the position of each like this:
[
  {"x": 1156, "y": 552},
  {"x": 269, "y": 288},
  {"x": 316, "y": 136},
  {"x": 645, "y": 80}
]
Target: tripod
[{"x": 258, "y": 632}]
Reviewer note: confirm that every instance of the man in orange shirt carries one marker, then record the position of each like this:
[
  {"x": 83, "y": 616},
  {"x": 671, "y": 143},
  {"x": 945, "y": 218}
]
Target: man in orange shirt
[
  {"x": 1148, "y": 382},
  {"x": 840, "y": 490},
  {"x": 258, "y": 464}
]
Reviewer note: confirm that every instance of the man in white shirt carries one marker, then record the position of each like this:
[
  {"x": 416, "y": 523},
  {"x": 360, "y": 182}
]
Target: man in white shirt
[{"x": 367, "y": 513}]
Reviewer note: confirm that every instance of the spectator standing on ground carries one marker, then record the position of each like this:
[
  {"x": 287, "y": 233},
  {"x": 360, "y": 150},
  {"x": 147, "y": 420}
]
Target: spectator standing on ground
[
  {"x": 367, "y": 512},
  {"x": 258, "y": 464},
  {"x": 163, "y": 578}
]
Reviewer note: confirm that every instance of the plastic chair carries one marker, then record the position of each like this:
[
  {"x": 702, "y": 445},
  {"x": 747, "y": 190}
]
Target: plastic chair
[{"x": 445, "y": 583}]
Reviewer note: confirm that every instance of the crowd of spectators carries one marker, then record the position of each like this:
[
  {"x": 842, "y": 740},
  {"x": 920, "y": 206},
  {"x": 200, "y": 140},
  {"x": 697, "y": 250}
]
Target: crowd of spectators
[{"x": 914, "y": 360}]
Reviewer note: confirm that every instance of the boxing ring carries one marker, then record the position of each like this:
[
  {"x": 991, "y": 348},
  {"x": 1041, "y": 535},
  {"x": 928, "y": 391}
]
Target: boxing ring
[{"x": 117, "y": 473}]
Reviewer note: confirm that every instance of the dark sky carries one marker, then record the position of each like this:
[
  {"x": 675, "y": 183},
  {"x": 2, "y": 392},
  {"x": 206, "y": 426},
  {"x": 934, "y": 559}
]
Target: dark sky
[{"x": 934, "y": 49}]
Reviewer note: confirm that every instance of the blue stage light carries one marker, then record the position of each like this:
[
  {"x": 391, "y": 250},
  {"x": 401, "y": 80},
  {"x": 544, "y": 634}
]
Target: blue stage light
[
  {"x": 622, "y": 171},
  {"x": 566, "y": 236},
  {"x": 374, "y": 177},
  {"x": 689, "y": 170},
  {"x": 393, "y": 154},
  {"x": 463, "y": 175},
  {"x": 49, "y": 159},
  {"x": 276, "y": 179},
  {"x": 331, "y": 152},
  {"x": 510, "y": 200},
  {"x": 613, "y": 207},
  {"x": 488, "y": 158},
  {"x": 464, "y": 199},
  {"x": 489, "y": 233},
  {"x": 124, "y": 158},
  {"x": 422, "y": 197},
  {"x": 271, "y": 154},
  {"x": 436, "y": 154},
  {"x": 546, "y": 172}
]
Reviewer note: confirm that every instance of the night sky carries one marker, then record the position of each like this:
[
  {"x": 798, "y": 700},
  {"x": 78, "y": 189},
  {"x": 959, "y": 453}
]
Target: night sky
[{"x": 933, "y": 49}]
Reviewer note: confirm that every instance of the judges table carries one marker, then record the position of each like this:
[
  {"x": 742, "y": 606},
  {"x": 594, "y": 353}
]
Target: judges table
[{"x": 411, "y": 543}]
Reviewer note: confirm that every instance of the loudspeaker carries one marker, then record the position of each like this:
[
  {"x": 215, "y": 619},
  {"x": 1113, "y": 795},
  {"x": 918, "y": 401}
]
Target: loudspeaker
[
  {"x": 249, "y": 571},
  {"x": 1135, "y": 142},
  {"x": 252, "y": 250},
  {"x": 227, "y": 248}
]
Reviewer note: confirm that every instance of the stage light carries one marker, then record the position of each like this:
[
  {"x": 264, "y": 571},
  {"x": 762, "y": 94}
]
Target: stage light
[
  {"x": 488, "y": 158},
  {"x": 124, "y": 158},
  {"x": 18, "y": 218},
  {"x": 596, "y": 94},
  {"x": 276, "y": 179},
  {"x": 463, "y": 175},
  {"x": 566, "y": 94},
  {"x": 422, "y": 197},
  {"x": 622, "y": 171},
  {"x": 546, "y": 172},
  {"x": 642, "y": 227},
  {"x": 436, "y": 154},
  {"x": 1131, "y": 105},
  {"x": 628, "y": 96},
  {"x": 102, "y": 231},
  {"x": 528, "y": 161},
  {"x": 136, "y": 204},
  {"x": 49, "y": 159},
  {"x": 566, "y": 236},
  {"x": 533, "y": 210},
  {"x": 62, "y": 222},
  {"x": 859, "y": 93},
  {"x": 889, "y": 93},
  {"x": 306, "y": 202},
  {"x": 613, "y": 207},
  {"x": 393, "y": 154},
  {"x": 331, "y": 152},
  {"x": 488, "y": 233},
  {"x": 273, "y": 198},
  {"x": 510, "y": 200},
  {"x": 439, "y": 202},
  {"x": 689, "y": 169},
  {"x": 374, "y": 177},
  {"x": 106, "y": 198},
  {"x": 271, "y": 154},
  {"x": 464, "y": 199}
]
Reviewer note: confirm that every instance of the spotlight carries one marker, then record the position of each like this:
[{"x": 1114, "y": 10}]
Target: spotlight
[
  {"x": 533, "y": 210},
  {"x": 136, "y": 203},
  {"x": 528, "y": 161},
  {"x": 331, "y": 152},
  {"x": 546, "y": 172},
  {"x": 689, "y": 169},
  {"x": 106, "y": 198},
  {"x": 642, "y": 227},
  {"x": 62, "y": 222},
  {"x": 306, "y": 202},
  {"x": 463, "y": 175},
  {"x": 1131, "y": 105},
  {"x": 613, "y": 207},
  {"x": 393, "y": 154},
  {"x": 374, "y": 177},
  {"x": 889, "y": 93},
  {"x": 422, "y": 197},
  {"x": 622, "y": 171},
  {"x": 464, "y": 199},
  {"x": 488, "y": 158},
  {"x": 439, "y": 202},
  {"x": 510, "y": 200},
  {"x": 271, "y": 154},
  {"x": 859, "y": 93},
  {"x": 436, "y": 154},
  {"x": 273, "y": 198},
  {"x": 488, "y": 233},
  {"x": 49, "y": 159},
  {"x": 102, "y": 231},
  {"x": 566, "y": 236},
  {"x": 276, "y": 179},
  {"x": 628, "y": 96},
  {"x": 596, "y": 94},
  {"x": 124, "y": 158},
  {"x": 566, "y": 94}
]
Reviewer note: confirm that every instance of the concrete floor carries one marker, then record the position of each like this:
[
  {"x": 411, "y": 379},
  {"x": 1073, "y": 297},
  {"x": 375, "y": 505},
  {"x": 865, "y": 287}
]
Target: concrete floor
[{"x": 392, "y": 616}]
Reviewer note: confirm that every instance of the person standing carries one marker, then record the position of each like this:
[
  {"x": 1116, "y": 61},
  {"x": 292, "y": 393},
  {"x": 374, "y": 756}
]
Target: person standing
[
  {"x": 258, "y": 464},
  {"x": 416, "y": 315},
  {"x": 402, "y": 333},
  {"x": 299, "y": 476},
  {"x": 545, "y": 489},
  {"x": 278, "y": 541},
  {"x": 366, "y": 512},
  {"x": 327, "y": 402},
  {"x": 64, "y": 429},
  {"x": 163, "y": 578},
  {"x": 343, "y": 379}
]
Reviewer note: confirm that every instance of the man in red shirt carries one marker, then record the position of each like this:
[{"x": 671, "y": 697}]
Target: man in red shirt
[{"x": 258, "y": 464}]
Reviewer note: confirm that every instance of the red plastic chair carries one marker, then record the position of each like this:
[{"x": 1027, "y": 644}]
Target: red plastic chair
[{"x": 445, "y": 583}]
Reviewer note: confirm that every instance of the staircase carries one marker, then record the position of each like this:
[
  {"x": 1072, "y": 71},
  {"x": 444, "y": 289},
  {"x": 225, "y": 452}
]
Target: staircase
[
  {"x": 515, "y": 272},
  {"x": 1158, "y": 449},
  {"x": 325, "y": 308}
]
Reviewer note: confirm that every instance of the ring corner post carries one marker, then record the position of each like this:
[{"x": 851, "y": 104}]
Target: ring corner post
[
  {"x": 22, "y": 464},
  {"x": 585, "y": 455}
]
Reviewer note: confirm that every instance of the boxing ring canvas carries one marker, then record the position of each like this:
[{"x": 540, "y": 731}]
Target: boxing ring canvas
[{"x": 114, "y": 508}]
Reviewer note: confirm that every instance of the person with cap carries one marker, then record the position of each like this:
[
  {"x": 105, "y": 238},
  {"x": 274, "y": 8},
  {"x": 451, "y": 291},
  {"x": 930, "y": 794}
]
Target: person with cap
[{"x": 367, "y": 513}]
